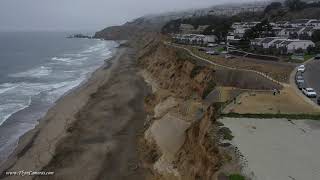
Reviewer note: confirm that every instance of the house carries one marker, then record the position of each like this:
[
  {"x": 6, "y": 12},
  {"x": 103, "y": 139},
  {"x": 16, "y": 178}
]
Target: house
[
  {"x": 257, "y": 42},
  {"x": 292, "y": 33},
  {"x": 239, "y": 28},
  {"x": 293, "y": 45},
  {"x": 278, "y": 43},
  {"x": 314, "y": 23},
  {"x": 281, "y": 24},
  {"x": 301, "y": 22},
  {"x": 284, "y": 45},
  {"x": 194, "y": 39},
  {"x": 267, "y": 42}
]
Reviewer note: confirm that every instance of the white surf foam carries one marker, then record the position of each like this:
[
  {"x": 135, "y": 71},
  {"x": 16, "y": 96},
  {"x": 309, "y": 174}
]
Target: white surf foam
[
  {"x": 6, "y": 87},
  {"x": 34, "y": 73},
  {"x": 7, "y": 110},
  {"x": 61, "y": 59},
  {"x": 95, "y": 48}
]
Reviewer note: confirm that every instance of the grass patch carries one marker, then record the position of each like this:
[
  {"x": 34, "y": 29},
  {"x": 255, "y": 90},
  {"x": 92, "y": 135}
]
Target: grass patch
[
  {"x": 210, "y": 86},
  {"x": 219, "y": 49},
  {"x": 308, "y": 56},
  {"x": 270, "y": 116},
  {"x": 236, "y": 177},
  {"x": 195, "y": 71}
]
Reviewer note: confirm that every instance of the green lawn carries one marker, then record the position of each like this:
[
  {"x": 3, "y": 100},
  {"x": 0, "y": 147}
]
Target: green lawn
[
  {"x": 236, "y": 177},
  {"x": 308, "y": 56},
  {"x": 219, "y": 49}
]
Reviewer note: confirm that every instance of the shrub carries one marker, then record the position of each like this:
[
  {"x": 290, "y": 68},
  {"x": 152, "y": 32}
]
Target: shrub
[
  {"x": 184, "y": 56},
  {"x": 226, "y": 133},
  {"x": 210, "y": 86},
  {"x": 195, "y": 71}
]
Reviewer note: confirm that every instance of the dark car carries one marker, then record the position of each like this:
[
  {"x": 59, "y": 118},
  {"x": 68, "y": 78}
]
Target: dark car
[
  {"x": 317, "y": 57},
  {"x": 318, "y": 100},
  {"x": 300, "y": 85}
]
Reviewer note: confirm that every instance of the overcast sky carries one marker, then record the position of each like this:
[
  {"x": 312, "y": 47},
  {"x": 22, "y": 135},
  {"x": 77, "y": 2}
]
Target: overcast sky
[{"x": 32, "y": 15}]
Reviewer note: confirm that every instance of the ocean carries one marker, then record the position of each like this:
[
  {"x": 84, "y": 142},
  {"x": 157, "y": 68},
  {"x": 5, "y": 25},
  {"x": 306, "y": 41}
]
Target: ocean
[{"x": 36, "y": 69}]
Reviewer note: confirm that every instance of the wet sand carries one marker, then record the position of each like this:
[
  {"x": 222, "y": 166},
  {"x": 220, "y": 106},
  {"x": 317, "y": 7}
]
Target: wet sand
[{"x": 92, "y": 132}]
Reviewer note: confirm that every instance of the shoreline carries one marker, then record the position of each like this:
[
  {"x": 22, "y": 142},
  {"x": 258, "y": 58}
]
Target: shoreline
[{"x": 68, "y": 105}]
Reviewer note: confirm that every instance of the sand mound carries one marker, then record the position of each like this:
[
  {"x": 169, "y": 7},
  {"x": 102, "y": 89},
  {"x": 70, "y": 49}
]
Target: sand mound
[
  {"x": 168, "y": 133},
  {"x": 164, "y": 107}
]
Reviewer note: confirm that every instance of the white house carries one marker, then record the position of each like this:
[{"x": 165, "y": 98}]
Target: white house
[
  {"x": 257, "y": 42},
  {"x": 301, "y": 22},
  {"x": 314, "y": 23},
  {"x": 194, "y": 39},
  {"x": 267, "y": 42},
  {"x": 289, "y": 32},
  {"x": 293, "y": 45}
]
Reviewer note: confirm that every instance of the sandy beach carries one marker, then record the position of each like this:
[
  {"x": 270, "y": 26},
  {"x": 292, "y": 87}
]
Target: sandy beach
[{"x": 91, "y": 132}]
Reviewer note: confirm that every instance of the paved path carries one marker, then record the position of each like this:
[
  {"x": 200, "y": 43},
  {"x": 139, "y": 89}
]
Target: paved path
[{"x": 227, "y": 67}]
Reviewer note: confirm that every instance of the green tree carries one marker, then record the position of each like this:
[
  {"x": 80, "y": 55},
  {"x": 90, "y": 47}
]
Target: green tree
[
  {"x": 221, "y": 31},
  {"x": 263, "y": 29},
  {"x": 273, "y": 6},
  {"x": 295, "y": 5},
  {"x": 316, "y": 36}
]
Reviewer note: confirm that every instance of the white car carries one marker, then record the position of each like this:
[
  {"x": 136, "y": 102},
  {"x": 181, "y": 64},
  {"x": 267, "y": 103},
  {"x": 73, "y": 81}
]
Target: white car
[
  {"x": 212, "y": 52},
  {"x": 309, "y": 92},
  {"x": 299, "y": 79},
  {"x": 301, "y": 68},
  {"x": 227, "y": 56}
]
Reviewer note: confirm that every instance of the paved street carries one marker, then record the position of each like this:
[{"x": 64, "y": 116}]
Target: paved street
[{"x": 312, "y": 75}]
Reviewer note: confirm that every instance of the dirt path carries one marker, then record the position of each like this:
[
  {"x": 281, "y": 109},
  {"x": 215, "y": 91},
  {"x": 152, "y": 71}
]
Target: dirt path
[{"x": 227, "y": 67}]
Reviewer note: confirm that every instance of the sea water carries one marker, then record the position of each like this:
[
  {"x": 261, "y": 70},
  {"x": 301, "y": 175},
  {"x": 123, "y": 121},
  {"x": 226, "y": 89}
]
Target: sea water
[{"x": 36, "y": 68}]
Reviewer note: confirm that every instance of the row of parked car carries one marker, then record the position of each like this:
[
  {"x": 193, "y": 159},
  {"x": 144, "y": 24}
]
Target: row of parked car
[{"x": 309, "y": 92}]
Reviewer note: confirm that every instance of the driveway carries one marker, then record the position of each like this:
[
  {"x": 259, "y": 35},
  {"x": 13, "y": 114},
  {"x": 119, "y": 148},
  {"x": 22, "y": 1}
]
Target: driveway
[{"x": 312, "y": 76}]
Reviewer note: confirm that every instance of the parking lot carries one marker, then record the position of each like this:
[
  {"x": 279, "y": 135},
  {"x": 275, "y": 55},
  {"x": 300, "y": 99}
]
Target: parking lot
[{"x": 312, "y": 77}]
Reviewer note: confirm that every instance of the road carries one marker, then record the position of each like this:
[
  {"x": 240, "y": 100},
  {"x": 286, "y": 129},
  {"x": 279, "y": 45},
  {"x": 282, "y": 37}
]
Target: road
[{"x": 312, "y": 76}]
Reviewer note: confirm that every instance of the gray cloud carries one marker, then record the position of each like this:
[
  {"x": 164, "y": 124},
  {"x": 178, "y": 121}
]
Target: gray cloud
[{"x": 85, "y": 14}]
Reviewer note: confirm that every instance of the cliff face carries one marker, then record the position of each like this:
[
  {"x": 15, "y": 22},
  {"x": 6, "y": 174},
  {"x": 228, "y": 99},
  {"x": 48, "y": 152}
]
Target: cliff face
[
  {"x": 179, "y": 134},
  {"x": 179, "y": 141},
  {"x": 175, "y": 70},
  {"x": 129, "y": 30},
  {"x": 199, "y": 158}
]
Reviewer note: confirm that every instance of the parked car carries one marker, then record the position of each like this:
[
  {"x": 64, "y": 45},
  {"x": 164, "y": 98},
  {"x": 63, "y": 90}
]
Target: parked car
[
  {"x": 317, "y": 57},
  {"x": 301, "y": 68},
  {"x": 224, "y": 52},
  {"x": 309, "y": 92},
  {"x": 318, "y": 100},
  {"x": 300, "y": 85},
  {"x": 228, "y": 56},
  {"x": 202, "y": 49},
  {"x": 299, "y": 79},
  {"x": 212, "y": 52},
  {"x": 212, "y": 45}
]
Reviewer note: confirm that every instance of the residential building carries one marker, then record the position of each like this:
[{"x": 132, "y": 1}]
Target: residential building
[
  {"x": 292, "y": 46},
  {"x": 285, "y": 45},
  {"x": 194, "y": 39}
]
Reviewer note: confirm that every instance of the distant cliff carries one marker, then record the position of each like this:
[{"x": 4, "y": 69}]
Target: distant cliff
[{"x": 129, "y": 29}]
